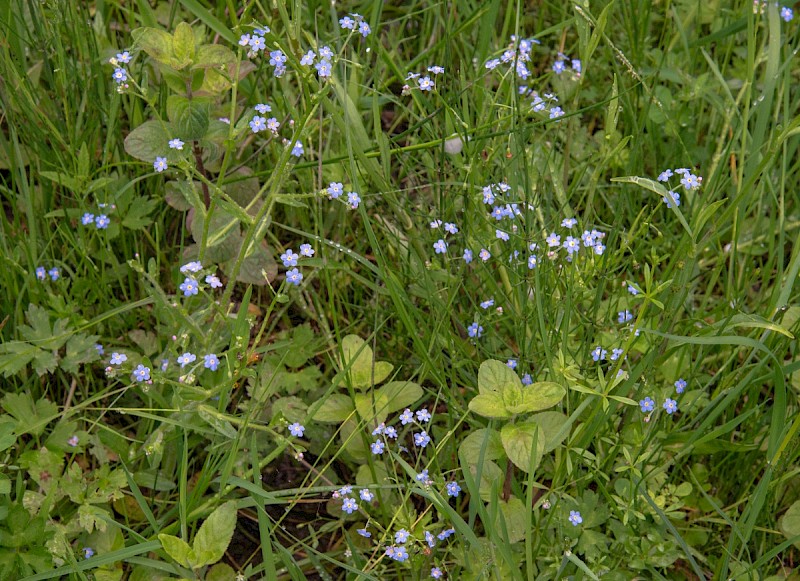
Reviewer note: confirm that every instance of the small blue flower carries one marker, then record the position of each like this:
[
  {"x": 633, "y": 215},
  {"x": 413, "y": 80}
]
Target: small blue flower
[
  {"x": 120, "y": 75},
  {"x": 160, "y": 164},
  {"x": 41, "y": 273},
  {"x": 575, "y": 518},
  {"x": 296, "y": 429},
  {"x": 297, "y": 149},
  {"x": 194, "y": 266},
  {"x": 377, "y": 447},
  {"x": 680, "y": 385},
  {"x": 391, "y": 432},
  {"x": 211, "y": 361},
  {"x": 366, "y": 495},
  {"x": 527, "y": 379},
  {"x": 335, "y": 190},
  {"x": 423, "y": 477},
  {"x": 425, "y": 84},
  {"x": 632, "y": 290},
  {"x": 175, "y": 144},
  {"x": 500, "y": 235},
  {"x": 511, "y": 363},
  {"x": 556, "y": 112},
  {"x": 273, "y": 125},
  {"x": 787, "y": 14},
  {"x": 484, "y": 254},
  {"x": 553, "y": 240},
  {"x": 347, "y": 22},
  {"x": 672, "y": 197},
  {"x": 189, "y": 287},
  {"x": 572, "y": 244},
  {"x": 624, "y": 316},
  {"x": 423, "y": 415},
  {"x": 306, "y": 250},
  {"x": 436, "y": 70},
  {"x": 102, "y": 222},
  {"x": 364, "y": 533},
  {"x": 99, "y": 348},
  {"x": 124, "y": 57},
  {"x": 258, "y": 123},
  {"x": 88, "y": 552},
  {"x": 87, "y": 219},
  {"x": 289, "y": 258},
  {"x": 440, "y": 247},
  {"x": 467, "y": 255},
  {"x": 118, "y": 358},
  {"x": 364, "y": 29},
  {"x": 436, "y": 573},
  {"x": 647, "y": 405},
  {"x": 349, "y": 505},
  {"x": 326, "y": 53},
  {"x": 559, "y": 67},
  {"x": 430, "y": 539},
  {"x": 422, "y": 439},
  {"x": 487, "y": 303},
  {"x": 576, "y": 66},
  {"x": 475, "y": 330},
  {"x": 323, "y": 69},
  {"x": 599, "y": 248},
  {"x": 532, "y": 261},
  {"x": 445, "y": 534},
  {"x": 598, "y": 353},
  {"x": 406, "y": 417},
  {"x": 453, "y": 489},
  {"x": 401, "y": 536},
  {"x": 294, "y": 277},
  {"x": 186, "y": 358},
  {"x": 257, "y": 43},
  {"x": 451, "y": 228},
  {"x": 665, "y": 175},
  {"x": 671, "y": 406},
  {"x": 568, "y": 222},
  {"x": 54, "y": 273},
  {"x": 353, "y": 199},
  {"x": 263, "y": 108},
  {"x": 213, "y": 281},
  {"x": 244, "y": 40},
  {"x": 616, "y": 354},
  {"x": 141, "y": 373}
]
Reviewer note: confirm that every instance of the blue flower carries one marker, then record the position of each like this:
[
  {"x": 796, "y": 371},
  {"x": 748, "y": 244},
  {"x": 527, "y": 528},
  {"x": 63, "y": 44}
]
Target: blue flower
[
  {"x": 118, "y": 358},
  {"x": 263, "y": 108},
  {"x": 258, "y": 123},
  {"x": 422, "y": 439},
  {"x": 451, "y": 228},
  {"x": 406, "y": 417},
  {"x": 553, "y": 240},
  {"x": 335, "y": 190},
  {"x": 298, "y": 150},
  {"x": 160, "y": 164},
  {"x": 423, "y": 476},
  {"x": 189, "y": 287},
  {"x": 671, "y": 406},
  {"x": 99, "y": 348},
  {"x": 572, "y": 244},
  {"x": 568, "y": 222},
  {"x": 326, "y": 53},
  {"x": 306, "y": 250},
  {"x": 364, "y": 29},
  {"x": 487, "y": 303},
  {"x": 175, "y": 144},
  {"x": 647, "y": 405},
  {"x": 194, "y": 266},
  {"x": 124, "y": 57},
  {"x": 453, "y": 489},
  {"x": 364, "y": 533},
  {"x": 436, "y": 573},
  {"x": 671, "y": 198},
  {"x": 211, "y": 361},
  {"x": 277, "y": 58},
  {"x": 440, "y": 247},
  {"x": 436, "y": 70},
  {"x": 186, "y": 358},
  {"x": 353, "y": 199},
  {"x": 366, "y": 495},
  {"x": 665, "y": 175},
  {"x": 556, "y": 112},
  {"x": 500, "y": 235},
  {"x": 445, "y": 533},
  {"x": 423, "y": 415},
  {"x": 599, "y": 353},
  {"x": 391, "y": 432},
  {"x": 467, "y": 255},
  {"x": 680, "y": 385},
  {"x": 257, "y": 43},
  {"x": 273, "y": 125},
  {"x": 102, "y": 222},
  {"x": 87, "y": 219},
  {"x": 632, "y": 290},
  {"x": 244, "y": 40},
  {"x": 575, "y": 518},
  {"x": 511, "y": 363},
  {"x": 484, "y": 254},
  {"x": 526, "y": 379},
  {"x": 41, "y": 273},
  {"x": 289, "y": 258},
  {"x": 786, "y": 13},
  {"x": 616, "y": 354},
  {"x": 624, "y": 316},
  {"x": 377, "y": 447},
  {"x": 401, "y": 536},
  {"x": 532, "y": 261},
  {"x": 576, "y": 66},
  {"x": 558, "y": 67},
  {"x": 88, "y": 552},
  {"x": 54, "y": 273},
  {"x": 323, "y": 69},
  {"x": 430, "y": 539},
  {"x": 213, "y": 281},
  {"x": 296, "y": 430},
  {"x": 120, "y": 75},
  {"x": 347, "y": 22},
  {"x": 475, "y": 330},
  {"x": 425, "y": 84},
  {"x": 349, "y": 505},
  {"x": 141, "y": 373},
  {"x": 294, "y": 277}
]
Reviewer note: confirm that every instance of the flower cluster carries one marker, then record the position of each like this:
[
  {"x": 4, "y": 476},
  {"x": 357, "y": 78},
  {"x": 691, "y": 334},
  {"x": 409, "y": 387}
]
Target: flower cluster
[
  {"x": 335, "y": 190},
  {"x": 120, "y": 74},
  {"x": 545, "y": 103},
  {"x": 760, "y": 6},
  {"x": 290, "y": 258},
  {"x": 323, "y": 63},
  {"x": 356, "y": 23},
  {"x": 100, "y": 221},
  {"x": 689, "y": 181},
  {"x": 564, "y": 63},
  {"x": 516, "y": 55},
  {"x": 42, "y": 274},
  {"x": 190, "y": 285},
  {"x": 648, "y": 404},
  {"x": 424, "y": 81}
]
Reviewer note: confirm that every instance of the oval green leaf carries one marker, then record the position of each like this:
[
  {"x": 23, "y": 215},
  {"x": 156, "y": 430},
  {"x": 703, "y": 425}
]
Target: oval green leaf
[
  {"x": 489, "y": 405},
  {"x": 518, "y": 442},
  {"x": 495, "y": 376}
]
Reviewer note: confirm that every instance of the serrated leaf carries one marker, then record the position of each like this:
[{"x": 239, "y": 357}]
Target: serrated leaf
[
  {"x": 183, "y": 49},
  {"x": 213, "y": 55},
  {"x": 214, "y": 536},
  {"x": 80, "y": 350},
  {"x": 551, "y": 423},
  {"x": 484, "y": 439},
  {"x": 518, "y": 442},
  {"x": 32, "y": 418},
  {"x": 150, "y": 140},
  {"x": 40, "y": 332},
  {"x": 336, "y": 408},
  {"x": 189, "y": 117},
  {"x": 177, "y": 548},
  {"x": 15, "y": 356},
  {"x": 399, "y": 394},
  {"x": 489, "y": 405},
  {"x": 138, "y": 215},
  {"x": 358, "y": 355},
  {"x": 494, "y": 376},
  {"x": 157, "y": 43}
]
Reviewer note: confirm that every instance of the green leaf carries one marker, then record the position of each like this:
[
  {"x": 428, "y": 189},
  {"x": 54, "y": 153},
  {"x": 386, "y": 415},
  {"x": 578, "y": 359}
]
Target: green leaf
[
  {"x": 157, "y": 43},
  {"x": 221, "y": 425},
  {"x": 257, "y": 268},
  {"x": 359, "y": 356},
  {"x": 213, "y": 55},
  {"x": 80, "y": 350},
  {"x": 176, "y": 548},
  {"x": 515, "y": 518},
  {"x": 224, "y": 236},
  {"x": 189, "y": 117},
  {"x": 551, "y": 423},
  {"x": 495, "y": 376},
  {"x": 470, "y": 448},
  {"x": 539, "y": 396},
  {"x": 214, "y": 536},
  {"x": 15, "y": 356},
  {"x": 137, "y": 216},
  {"x": 7, "y": 437},
  {"x": 148, "y": 141},
  {"x": 183, "y": 48},
  {"x": 790, "y": 523},
  {"x": 221, "y": 572},
  {"x": 40, "y": 332},
  {"x": 31, "y": 418},
  {"x": 399, "y": 394},
  {"x": 292, "y": 408},
  {"x": 489, "y": 405},
  {"x": 371, "y": 412},
  {"x": 518, "y": 441},
  {"x": 336, "y": 408}
]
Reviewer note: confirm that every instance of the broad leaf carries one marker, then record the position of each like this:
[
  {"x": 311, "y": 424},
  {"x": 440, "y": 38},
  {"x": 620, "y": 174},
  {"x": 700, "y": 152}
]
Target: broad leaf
[
  {"x": 790, "y": 523},
  {"x": 358, "y": 355},
  {"x": 484, "y": 439},
  {"x": 176, "y": 548},
  {"x": 150, "y": 140},
  {"x": 515, "y": 519},
  {"x": 539, "y": 396},
  {"x": 189, "y": 117},
  {"x": 495, "y": 376},
  {"x": 31, "y": 417},
  {"x": 399, "y": 394},
  {"x": 183, "y": 46},
  {"x": 213, "y": 56},
  {"x": 337, "y": 408},
  {"x": 518, "y": 442},
  {"x": 157, "y": 43},
  {"x": 214, "y": 536},
  {"x": 258, "y": 268},
  {"x": 551, "y": 423},
  {"x": 489, "y": 405}
]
